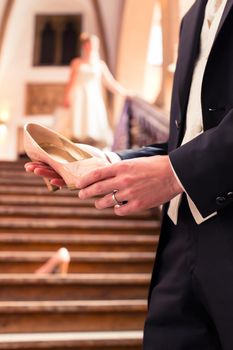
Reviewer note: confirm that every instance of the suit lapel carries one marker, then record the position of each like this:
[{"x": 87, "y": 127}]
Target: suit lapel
[
  {"x": 189, "y": 50},
  {"x": 224, "y": 16}
]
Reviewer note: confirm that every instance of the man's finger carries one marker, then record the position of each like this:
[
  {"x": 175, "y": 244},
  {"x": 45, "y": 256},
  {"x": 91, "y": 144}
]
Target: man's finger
[
  {"x": 30, "y": 167},
  {"x": 127, "y": 208},
  {"x": 95, "y": 176},
  {"x": 50, "y": 174},
  {"x": 32, "y": 163},
  {"x": 100, "y": 188},
  {"x": 110, "y": 199},
  {"x": 104, "y": 202},
  {"x": 58, "y": 182}
]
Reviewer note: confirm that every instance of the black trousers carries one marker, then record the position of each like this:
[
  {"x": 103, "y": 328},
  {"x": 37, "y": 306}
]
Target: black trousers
[{"x": 191, "y": 301}]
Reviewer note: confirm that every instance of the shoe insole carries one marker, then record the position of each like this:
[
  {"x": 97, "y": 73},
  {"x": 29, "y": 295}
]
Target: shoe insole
[{"x": 59, "y": 154}]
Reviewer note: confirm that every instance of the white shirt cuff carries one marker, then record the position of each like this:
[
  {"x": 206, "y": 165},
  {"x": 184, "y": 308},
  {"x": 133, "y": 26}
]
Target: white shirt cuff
[
  {"x": 112, "y": 157},
  {"x": 195, "y": 212},
  {"x": 178, "y": 180}
]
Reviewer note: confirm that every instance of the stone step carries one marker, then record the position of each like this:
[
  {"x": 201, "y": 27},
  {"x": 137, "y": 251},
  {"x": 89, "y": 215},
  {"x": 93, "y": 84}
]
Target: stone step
[
  {"x": 72, "y": 316},
  {"x": 121, "y": 340},
  {"x": 14, "y": 196},
  {"x": 69, "y": 226},
  {"x": 100, "y": 242},
  {"x": 35, "y": 190},
  {"x": 11, "y": 166},
  {"x": 10, "y": 169},
  {"x": 43, "y": 197},
  {"x": 20, "y": 160},
  {"x": 81, "y": 262},
  {"x": 16, "y": 173},
  {"x": 25, "y": 287},
  {"x": 21, "y": 181},
  {"x": 66, "y": 212}
]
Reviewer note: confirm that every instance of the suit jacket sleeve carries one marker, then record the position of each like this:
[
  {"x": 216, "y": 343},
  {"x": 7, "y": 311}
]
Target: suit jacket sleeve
[
  {"x": 148, "y": 151},
  {"x": 205, "y": 167}
]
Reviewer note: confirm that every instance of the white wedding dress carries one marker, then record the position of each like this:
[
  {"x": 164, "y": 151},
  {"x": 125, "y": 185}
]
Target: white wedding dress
[{"x": 88, "y": 112}]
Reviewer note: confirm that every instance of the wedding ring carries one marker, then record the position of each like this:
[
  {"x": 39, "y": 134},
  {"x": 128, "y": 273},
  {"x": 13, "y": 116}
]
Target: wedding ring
[{"x": 115, "y": 201}]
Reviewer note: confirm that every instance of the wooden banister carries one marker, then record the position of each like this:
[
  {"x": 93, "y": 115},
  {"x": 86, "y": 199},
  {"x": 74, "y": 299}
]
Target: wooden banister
[{"x": 140, "y": 124}]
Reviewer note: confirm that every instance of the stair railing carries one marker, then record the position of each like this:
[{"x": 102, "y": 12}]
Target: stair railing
[{"x": 140, "y": 124}]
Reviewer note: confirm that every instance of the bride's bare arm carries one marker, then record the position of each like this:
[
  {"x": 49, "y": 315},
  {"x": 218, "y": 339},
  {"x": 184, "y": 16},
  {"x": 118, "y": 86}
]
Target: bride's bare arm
[{"x": 111, "y": 83}]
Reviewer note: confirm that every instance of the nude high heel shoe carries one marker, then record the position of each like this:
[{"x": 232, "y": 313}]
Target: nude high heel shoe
[
  {"x": 47, "y": 146},
  {"x": 59, "y": 263}
]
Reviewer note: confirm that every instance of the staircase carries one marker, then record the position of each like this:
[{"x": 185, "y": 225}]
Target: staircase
[{"x": 101, "y": 303}]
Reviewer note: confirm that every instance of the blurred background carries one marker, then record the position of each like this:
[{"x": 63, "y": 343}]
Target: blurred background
[
  {"x": 73, "y": 277},
  {"x": 39, "y": 38}
]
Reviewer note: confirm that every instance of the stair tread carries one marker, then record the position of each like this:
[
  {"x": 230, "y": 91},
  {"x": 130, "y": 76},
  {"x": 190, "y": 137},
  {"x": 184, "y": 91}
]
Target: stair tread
[
  {"x": 80, "y": 337},
  {"x": 64, "y": 211},
  {"x": 92, "y": 279},
  {"x": 41, "y": 200},
  {"x": 36, "y": 181},
  {"x": 18, "y": 173},
  {"x": 77, "y": 223},
  {"x": 20, "y": 160},
  {"x": 72, "y": 306},
  {"x": 38, "y": 204},
  {"x": 111, "y": 260},
  {"x": 30, "y": 189},
  {"x": 76, "y": 238},
  {"x": 77, "y": 256}
]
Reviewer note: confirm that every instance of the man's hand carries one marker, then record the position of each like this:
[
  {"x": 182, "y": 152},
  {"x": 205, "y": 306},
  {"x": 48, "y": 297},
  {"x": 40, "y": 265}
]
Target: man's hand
[
  {"x": 44, "y": 170},
  {"x": 143, "y": 182}
]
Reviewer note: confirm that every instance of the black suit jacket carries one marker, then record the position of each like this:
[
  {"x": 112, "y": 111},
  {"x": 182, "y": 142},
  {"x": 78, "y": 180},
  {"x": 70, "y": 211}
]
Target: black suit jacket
[{"x": 205, "y": 164}]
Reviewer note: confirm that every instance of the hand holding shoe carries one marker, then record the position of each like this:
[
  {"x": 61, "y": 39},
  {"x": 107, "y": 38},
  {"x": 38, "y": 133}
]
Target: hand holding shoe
[
  {"x": 46, "y": 171},
  {"x": 57, "y": 158}
]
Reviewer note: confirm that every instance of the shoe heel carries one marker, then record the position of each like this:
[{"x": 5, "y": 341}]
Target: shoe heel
[{"x": 51, "y": 188}]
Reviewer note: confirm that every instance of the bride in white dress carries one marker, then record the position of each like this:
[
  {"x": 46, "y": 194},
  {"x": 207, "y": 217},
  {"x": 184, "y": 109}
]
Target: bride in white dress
[{"x": 84, "y": 95}]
